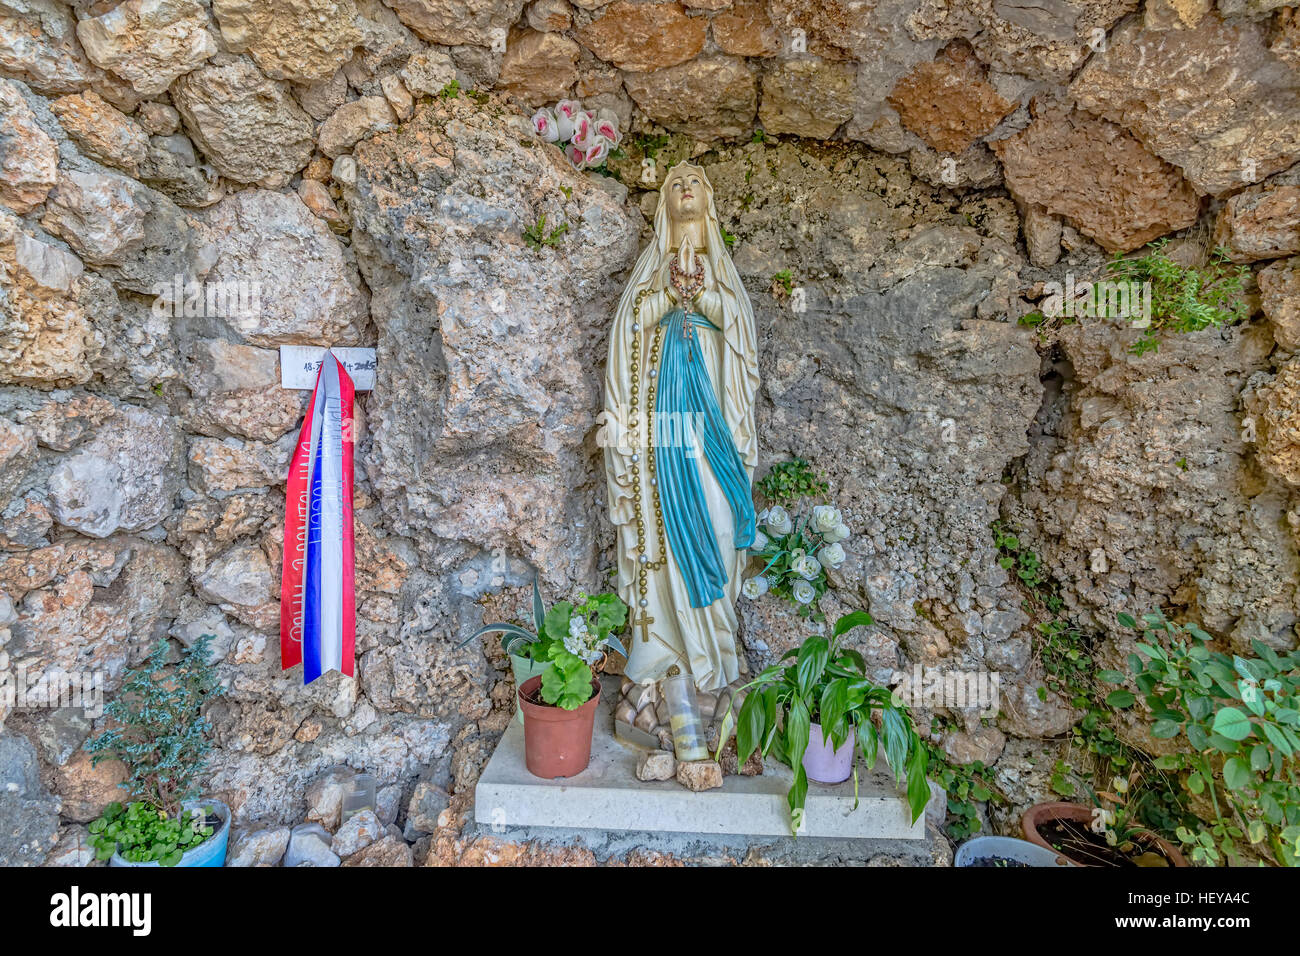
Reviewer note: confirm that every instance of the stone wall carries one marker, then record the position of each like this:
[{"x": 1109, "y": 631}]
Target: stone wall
[{"x": 924, "y": 169}]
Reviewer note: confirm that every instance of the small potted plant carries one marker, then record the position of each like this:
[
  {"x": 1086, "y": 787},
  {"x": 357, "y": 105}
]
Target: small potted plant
[
  {"x": 555, "y": 673},
  {"x": 814, "y": 705},
  {"x": 530, "y": 651},
  {"x": 160, "y": 735}
]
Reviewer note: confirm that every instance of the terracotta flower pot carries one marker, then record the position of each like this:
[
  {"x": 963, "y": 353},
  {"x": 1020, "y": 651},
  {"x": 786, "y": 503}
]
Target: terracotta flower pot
[
  {"x": 1043, "y": 813},
  {"x": 557, "y": 742}
]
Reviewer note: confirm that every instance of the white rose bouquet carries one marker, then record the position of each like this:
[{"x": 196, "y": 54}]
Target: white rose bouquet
[
  {"x": 586, "y": 138},
  {"x": 796, "y": 548}
]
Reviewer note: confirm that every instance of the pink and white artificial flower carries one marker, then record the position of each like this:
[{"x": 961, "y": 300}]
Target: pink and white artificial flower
[
  {"x": 545, "y": 126},
  {"x": 566, "y": 115},
  {"x": 607, "y": 127},
  {"x": 576, "y": 155},
  {"x": 584, "y": 130},
  {"x": 597, "y": 151}
]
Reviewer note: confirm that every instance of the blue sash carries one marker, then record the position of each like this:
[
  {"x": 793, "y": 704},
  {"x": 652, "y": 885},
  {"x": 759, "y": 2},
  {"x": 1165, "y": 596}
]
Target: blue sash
[{"x": 685, "y": 398}]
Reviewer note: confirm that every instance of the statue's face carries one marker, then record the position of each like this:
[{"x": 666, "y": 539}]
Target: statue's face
[{"x": 686, "y": 198}]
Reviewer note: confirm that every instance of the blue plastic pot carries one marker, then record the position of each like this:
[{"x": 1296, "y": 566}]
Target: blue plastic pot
[
  {"x": 1022, "y": 851},
  {"x": 211, "y": 852}
]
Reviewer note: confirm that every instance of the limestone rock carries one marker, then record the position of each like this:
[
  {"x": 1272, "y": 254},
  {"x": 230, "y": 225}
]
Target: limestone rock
[
  {"x": 86, "y": 788},
  {"x": 354, "y": 121},
  {"x": 708, "y": 98},
  {"x": 261, "y": 847},
  {"x": 28, "y": 158},
  {"x": 744, "y": 29},
  {"x": 428, "y": 801},
  {"x": 237, "y": 391},
  {"x": 1042, "y": 232},
  {"x": 1096, "y": 175},
  {"x": 310, "y": 292},
  {"x": 1242, "y": 577},
  {"x": 398, "y": 96},
  {"x": 240, "y": 577},
  {"x": 644, "y": 36},
  {"x": 427, "y": 72},
  {"x": 230, "y": 465},
  {"x": 360, "y": 830},
  {"x": 390, "y": 851},
  {"x": 149, "y": 43},
  {"x": 1279, "y": 287},
  {"x": 98, "y": 216},
  {"x": 139, "y": 237},
  {"x": 1242, "y": 123},
  {"x": 658, "y": 765},
  {"x": 38, "y": 44},
  {"x": 17, "y": 451},
  {"x": 173, "y": 167},
  {"x": 73, "y": 848},
  {"x": 698, "y": 775},
  {"x": 46, "y": 338},
  {"x": 30, "y": 814},
  {"x": 1275, "y": 407},
  {"x": 296, "y": 40},
  {"x": 539, "y": 68},
  {"x": 453, "y": 252},
  {"x": 1262, "y": 222},
  {"x": 806, "y": 98},
  {"x": 984, "y": 744},
  {"x": 550, "y": 15},
  {"x": 158, "y": 119},
  {"x": 125, "y": 479},
  {"x": 102, "y": 132},
  {"x": 947, "y": 102},
  {"x": 1043, "y": 41},
  {"x": 455, "y": 22},
  {"x": 309, "y": 845},
  {"x": 325, "y": 797},
  {"x": 248, "y": 125}
]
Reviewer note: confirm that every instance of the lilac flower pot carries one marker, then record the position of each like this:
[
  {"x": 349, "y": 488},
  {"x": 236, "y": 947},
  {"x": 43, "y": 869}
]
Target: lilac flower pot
[{"x": 824, "y": 764}]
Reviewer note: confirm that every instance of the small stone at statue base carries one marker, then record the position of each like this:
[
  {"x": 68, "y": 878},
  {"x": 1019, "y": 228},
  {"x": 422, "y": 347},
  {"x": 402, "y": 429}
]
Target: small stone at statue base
[
  {"x": 730, "y": 760},
  {"x": 656, "y": 766},
  {"x": 699, "y": 775}
]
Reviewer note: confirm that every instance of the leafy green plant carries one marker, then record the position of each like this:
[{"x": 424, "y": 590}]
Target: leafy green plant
[
  {"x": 651, "y": 144},
  {"x": 1237, "y": 723},
  {"x": 782, "y": 283},
  {"x": 728, "y": 238},
  {"x": 160, "y": 734},
  {"x": 143, "y": 834},
  {"x": 450, "y": 91},
  {"x": 967, "y": 785},
  {"x": 1183, "y": 298},
  {"x": 569, "y": 636},
  {"x": 759, "y": 136},
  {"x": 536, "y": 235},
  {"x": 824, "y": 683},
  {"x": 788, "y": 481}
]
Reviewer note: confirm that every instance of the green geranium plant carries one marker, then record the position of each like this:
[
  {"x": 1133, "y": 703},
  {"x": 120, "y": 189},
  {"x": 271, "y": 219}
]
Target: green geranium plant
[
  {"x": 571, "y": 637},
  {"x": 161, "y": 737},
  {"x": 822, "y": 682}
]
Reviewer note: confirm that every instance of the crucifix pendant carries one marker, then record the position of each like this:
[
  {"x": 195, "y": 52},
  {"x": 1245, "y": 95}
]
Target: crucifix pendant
[{"x": 644, "y": 623}]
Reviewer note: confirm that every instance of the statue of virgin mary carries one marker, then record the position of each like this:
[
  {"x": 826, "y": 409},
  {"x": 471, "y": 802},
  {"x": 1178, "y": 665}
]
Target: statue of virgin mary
[{"x": 679, "y": 409}]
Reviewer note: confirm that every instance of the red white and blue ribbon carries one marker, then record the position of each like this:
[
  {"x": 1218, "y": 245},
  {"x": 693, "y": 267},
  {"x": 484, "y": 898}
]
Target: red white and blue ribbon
[{"x": 317, "y": 600}]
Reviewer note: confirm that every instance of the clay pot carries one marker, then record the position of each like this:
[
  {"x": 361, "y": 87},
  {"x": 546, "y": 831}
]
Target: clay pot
[
  {"x": 822, "y": 762},
  {"x": 1042, "y": 813},
  {"x": 557, "y": 742}
]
